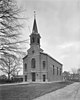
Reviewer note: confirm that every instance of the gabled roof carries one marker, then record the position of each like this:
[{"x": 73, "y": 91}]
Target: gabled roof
[
  {"x": 51, "y": 58},
  {"x": 46, "y": 55},
  {"x": 25, "y": 57}
]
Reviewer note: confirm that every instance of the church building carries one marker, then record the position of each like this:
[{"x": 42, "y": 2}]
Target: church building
[{"x": 37, "y": 65}]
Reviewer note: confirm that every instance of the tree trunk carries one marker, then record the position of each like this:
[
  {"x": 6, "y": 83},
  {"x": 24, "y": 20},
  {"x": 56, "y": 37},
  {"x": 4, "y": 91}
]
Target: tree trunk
[{"x": 8, "y": 76}]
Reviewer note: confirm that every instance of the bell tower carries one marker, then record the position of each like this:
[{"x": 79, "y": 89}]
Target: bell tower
[{"x": 35, "y": 36}]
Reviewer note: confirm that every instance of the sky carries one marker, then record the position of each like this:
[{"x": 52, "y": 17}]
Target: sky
[{"x": 58, "y": 23}]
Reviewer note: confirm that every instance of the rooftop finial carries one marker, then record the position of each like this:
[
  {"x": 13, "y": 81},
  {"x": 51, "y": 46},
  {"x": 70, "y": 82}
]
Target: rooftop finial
[{"x": 34, "y": 14}]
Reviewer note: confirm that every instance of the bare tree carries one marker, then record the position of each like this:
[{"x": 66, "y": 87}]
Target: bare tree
[
  {"x": 9, "y": 26},
  {"x": 74, "y": 70},
  {"x": 78, "y": 71},
  {"x": 17, "y": 67},
  {"x": 10, "y": 65},
  {"x": 10, "y": 43}
]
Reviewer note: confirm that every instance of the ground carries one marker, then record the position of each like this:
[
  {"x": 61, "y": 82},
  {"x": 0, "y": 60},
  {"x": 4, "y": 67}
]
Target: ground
[
  {"x": 70, "y": 92},
  {"x": 28, "y": 91}
]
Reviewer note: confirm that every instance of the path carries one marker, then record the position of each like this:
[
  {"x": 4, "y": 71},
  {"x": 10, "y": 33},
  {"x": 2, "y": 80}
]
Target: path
[{"x": 70, "y": 92}]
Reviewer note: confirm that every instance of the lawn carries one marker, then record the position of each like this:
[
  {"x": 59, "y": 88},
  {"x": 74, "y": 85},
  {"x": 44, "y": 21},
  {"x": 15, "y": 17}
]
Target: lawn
[{"x": 29, "y": 91}]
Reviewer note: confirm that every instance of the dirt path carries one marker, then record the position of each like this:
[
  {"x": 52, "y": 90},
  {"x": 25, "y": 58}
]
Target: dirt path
[{"x": 70, "y": 92}]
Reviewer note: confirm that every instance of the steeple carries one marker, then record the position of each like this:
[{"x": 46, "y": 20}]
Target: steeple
[
  {"x": 34, "y": 30},
  {"x": 35, "y": 36}
]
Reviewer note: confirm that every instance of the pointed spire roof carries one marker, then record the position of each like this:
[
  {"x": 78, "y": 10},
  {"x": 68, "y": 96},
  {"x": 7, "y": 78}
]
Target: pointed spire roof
[{"x": 35, "y": 30}]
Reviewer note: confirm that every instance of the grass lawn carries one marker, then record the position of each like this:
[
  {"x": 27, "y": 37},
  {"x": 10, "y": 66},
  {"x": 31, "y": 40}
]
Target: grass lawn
[{"x": 29, "y": 91}]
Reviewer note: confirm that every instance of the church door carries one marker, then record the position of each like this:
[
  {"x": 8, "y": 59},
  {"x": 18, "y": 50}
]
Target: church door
[
  {"x": 33, "y": 76},
  {"x": 25, "y": 77},
  {"x": 44, "y": 78}
]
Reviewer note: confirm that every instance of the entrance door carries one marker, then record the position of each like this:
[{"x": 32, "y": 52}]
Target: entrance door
[
  {"x": 44, "y": 78},
  {"x": 33, "y": 76},
  {"x": 25, "y": 77}
]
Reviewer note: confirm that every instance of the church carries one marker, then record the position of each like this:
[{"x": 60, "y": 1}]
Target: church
[{"x": 37, "y": 65}]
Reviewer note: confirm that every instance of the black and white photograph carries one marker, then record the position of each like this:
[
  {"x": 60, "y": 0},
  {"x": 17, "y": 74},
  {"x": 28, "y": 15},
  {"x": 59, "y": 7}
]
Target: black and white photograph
[{"x": 39, "y": 49}]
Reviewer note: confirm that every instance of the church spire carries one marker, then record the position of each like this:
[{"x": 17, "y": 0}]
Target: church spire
[
  {"x": 35, "y": 30},
  {"x": 35, "y": 36}
]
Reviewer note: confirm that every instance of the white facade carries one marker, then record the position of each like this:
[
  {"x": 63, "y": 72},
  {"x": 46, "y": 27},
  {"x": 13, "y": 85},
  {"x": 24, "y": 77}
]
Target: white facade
[{"x": 39, "y": 66}]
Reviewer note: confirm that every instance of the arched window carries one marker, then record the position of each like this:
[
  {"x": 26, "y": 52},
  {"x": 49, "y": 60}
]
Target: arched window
[
  {"x": 60, "y": 71},
  {"x": 25, "y": 66},
  {"x": 53, "y": 70},
  {"x": 44, "y": 64},
  {"x": 33, "y": 63},
  {"x": 57, "y": 70}
]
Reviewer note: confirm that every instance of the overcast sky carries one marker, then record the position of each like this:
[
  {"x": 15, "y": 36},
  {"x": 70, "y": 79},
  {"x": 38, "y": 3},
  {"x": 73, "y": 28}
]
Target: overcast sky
[{"x": 58, "y": 23}]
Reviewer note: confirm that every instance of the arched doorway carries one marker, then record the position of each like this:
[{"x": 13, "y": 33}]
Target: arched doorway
[
  {"x": 44, "y": 78},
  {"x": 25, "y": 77},
  {"x": 33, "y": 76}
]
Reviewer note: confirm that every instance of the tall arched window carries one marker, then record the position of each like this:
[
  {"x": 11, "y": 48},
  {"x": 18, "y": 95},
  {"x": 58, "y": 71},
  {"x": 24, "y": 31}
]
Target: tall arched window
[
  {"x": 60, "y": 71},
  {"x": 33, "y": 63},
  {"x": 53, "y": 70},
  {"x": 25, "y": 67},
  {"x": 57, "y": 70},
  {"x": 44, "y": 64}
]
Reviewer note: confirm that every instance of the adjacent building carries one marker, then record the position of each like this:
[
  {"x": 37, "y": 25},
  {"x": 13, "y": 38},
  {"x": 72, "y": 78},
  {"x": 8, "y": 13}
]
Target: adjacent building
[{"x": 37, "y": 65}]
